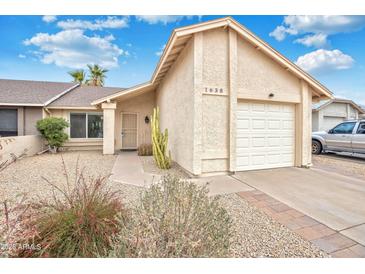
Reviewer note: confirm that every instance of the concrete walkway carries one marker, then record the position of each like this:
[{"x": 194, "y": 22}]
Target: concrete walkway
[
  {"x": 128, "y": 169},
  {"x": 332, "y": 199}
]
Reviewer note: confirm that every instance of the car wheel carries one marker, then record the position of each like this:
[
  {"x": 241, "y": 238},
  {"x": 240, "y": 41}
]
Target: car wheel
[{"x": 316, "y": 147}]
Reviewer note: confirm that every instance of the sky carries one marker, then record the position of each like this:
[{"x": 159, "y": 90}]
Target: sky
[{"x": 330, "y": 48}]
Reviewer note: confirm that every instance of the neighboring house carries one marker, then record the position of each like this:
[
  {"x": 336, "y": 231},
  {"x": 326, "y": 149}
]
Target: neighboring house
[
  {"x": 22, "y": 102},
  {"x": 327, "y": 114},
  {"x": 229, "y": 101}
]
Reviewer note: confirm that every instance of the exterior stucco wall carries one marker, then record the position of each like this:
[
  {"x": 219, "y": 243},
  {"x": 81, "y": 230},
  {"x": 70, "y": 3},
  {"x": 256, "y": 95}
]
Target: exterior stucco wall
[
  {"x": 31, "y": 116},
  {"x": 258, "y": 76},
  {"x": 335, "y": 110},
  {"x": 215, "y": 107},
  {"x": 315, "y": 121},
  {"x": 143, "y": 106},
  {"x": 17, "y": 145},
  {"x": 174, "y": 97},
  {"x": 78, "y": 143}
]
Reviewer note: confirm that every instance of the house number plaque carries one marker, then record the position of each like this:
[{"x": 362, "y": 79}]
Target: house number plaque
[{"x": 214, "y": 90}]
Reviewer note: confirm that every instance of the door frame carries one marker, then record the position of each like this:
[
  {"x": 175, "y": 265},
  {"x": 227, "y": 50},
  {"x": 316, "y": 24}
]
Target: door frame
[{"x": 137, "y": 129}]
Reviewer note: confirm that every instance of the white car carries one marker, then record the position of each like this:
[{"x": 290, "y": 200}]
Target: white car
[{"x": 348, "y": 136}]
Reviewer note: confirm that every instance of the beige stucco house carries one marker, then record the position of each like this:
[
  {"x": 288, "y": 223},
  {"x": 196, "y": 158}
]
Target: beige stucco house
[
  {"x": 326, "y": 114},
  {"x": 229, "y": 100}
]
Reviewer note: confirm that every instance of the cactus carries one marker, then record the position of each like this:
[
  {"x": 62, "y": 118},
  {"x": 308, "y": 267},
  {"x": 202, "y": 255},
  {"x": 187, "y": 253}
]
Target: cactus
[{"x": 159, "y": 142}]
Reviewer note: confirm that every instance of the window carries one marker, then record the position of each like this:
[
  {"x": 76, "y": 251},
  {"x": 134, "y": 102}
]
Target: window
[
  {"x": 361, "y": 129},
  {"x": 344, "y": 128},
  {"x": 95, "y": 126},
  {"x": 8, "y": 122},
  {"x": 86, "y": 125}
]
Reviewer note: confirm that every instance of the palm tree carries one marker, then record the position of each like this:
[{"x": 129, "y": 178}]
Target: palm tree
[
  {"x": 96, "y": 75},
  {"x": 78, "y": 75}
]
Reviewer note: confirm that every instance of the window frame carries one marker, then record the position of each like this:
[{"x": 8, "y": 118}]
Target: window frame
[
  {"x": 358, "y": 128},
  {"x": 17, "y": 121},
  {"x": 352, "y": 131},
  {"x": 86, "y": 125}
]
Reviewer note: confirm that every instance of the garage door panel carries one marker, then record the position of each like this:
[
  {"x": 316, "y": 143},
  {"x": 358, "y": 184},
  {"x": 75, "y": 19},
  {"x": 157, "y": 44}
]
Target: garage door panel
[
  {"x": 243, "y": 142},
  {"x": 243, "y": 123},
  {"x": 255, "y": 107},
  {"x": 265, "y": 135}
]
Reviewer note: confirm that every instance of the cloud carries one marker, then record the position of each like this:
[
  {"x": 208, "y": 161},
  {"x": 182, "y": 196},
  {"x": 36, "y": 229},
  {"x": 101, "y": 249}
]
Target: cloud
[
  {"x": 22, "y": 56},
  {"x": 73, "y": 49},
  {"x": 279, "y": 33},
  {"x": 49, "y": 18},
  {"x": 164, "y": 19},
  {"x": 316, "y": 25},
  {"x": 111, "y": 22},
  {"x": 159, "y": 53},
  {"x": 316, "y": 40},
  {"x": 325, "y": 60}
]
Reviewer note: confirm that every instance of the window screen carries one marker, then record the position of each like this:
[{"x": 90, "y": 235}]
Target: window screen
[
  {"x": 78, "y": 125},
  {"x": 8, "y": 122}
]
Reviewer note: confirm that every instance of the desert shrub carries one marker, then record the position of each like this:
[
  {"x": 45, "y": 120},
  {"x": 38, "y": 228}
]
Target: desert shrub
[
  {"x": 145, "y": 150},
  {"x": 52, "y": 129},
  {"x": 80, "y": 220},
  {"x": 16, "y": 225},
  {"x": 175, "y": 218}
]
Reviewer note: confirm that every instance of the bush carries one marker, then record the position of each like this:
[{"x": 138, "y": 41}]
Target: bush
[
  {"x": 15, "y": 225},
  {"x": 145, "y": 150},
  {"x": 79, "y": 221},
  {"x": 175, "y": 218},
  {"x": 52, "y": 129}
]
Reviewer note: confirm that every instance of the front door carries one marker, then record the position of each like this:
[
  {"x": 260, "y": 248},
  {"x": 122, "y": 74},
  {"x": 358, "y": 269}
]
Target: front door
[{"x": 129, "y": 131}]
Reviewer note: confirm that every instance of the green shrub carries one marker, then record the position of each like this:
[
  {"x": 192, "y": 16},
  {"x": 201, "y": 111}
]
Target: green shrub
[
  {"x": 52, "y": 129},
  {"x": 79, "y": 220},
  {"x": 175, "y": 218},
  {"x": 145, "y": 150}
]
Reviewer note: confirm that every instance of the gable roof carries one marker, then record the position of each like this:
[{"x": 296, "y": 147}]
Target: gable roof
[
  {"x": 322, "y": 104},
  {"x": 180, "y": 37},
  {"x": 31, "y": 93},
  {"x": 82, "y": 96}
]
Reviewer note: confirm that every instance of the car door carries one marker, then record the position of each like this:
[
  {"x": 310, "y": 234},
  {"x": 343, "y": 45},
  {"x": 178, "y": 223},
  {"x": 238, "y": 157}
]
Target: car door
[
  {"x": 339, "y": 138},
  {"x": 358, "y": 139}
]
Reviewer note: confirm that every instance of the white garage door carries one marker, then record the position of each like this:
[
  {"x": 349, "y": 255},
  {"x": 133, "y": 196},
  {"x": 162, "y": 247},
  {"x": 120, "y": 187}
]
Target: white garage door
[{"x": 265, "y": 135}]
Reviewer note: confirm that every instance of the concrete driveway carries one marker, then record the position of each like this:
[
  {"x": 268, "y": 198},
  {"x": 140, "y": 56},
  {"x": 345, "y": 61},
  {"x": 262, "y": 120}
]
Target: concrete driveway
[{"x": 335, "y": 200}]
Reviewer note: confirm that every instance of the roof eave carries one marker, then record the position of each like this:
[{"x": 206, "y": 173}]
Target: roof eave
[{"x": 121, "y": 93}]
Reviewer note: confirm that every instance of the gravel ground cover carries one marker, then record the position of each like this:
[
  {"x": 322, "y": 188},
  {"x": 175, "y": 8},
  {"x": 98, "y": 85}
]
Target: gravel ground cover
[
  {"x": 257, "y": 235},
  {"x": 26, "y": 175},
  {"x": 348, "y": 166},
  {"x": 149, "y": 166}
]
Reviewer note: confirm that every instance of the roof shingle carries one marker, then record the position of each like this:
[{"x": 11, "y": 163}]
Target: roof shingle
[
  {"x": 83, "y": 96},
  {"x": 22, "y": 92}
]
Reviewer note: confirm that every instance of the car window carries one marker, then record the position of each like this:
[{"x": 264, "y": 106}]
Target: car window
[
  {"x": 361, "y": 129},
  {"x": 344, "y": 128}
]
